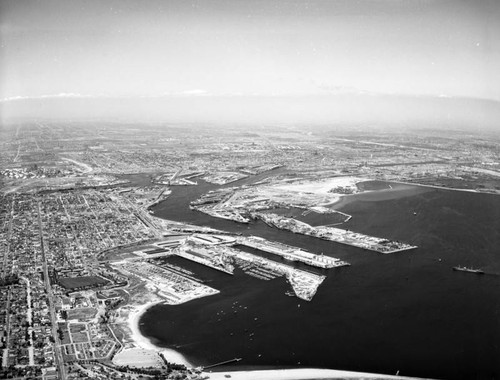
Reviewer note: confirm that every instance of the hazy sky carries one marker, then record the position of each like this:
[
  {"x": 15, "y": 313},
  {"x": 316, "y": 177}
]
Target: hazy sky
[{"x": 127, "y": 48}]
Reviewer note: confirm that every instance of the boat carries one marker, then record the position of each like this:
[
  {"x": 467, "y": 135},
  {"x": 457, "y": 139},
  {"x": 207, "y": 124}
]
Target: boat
[{"x": 470, "y": 270}]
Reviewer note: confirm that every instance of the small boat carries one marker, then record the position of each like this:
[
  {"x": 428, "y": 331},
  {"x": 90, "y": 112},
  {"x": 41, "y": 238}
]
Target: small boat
[{"x": 470, "y": 270}]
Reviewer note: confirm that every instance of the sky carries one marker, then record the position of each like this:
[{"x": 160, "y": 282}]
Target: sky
[{"x": 60, "y": 49}]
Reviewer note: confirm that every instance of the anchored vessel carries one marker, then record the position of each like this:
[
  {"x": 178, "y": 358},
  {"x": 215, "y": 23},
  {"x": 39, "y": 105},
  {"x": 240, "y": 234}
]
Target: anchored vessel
[{"x": 470, "y": 270}]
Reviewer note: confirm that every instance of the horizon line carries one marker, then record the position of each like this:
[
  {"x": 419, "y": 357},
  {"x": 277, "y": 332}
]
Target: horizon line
[{"x": 204, "y": 94}]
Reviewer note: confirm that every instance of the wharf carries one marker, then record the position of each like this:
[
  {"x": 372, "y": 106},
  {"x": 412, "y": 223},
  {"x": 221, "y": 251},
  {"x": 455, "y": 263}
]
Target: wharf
[
  {"x": 337, "y": 235},
  {"x": 304, "y": 283},
  {"x": 291, "y": 253},
  {"x": 206, "y": 257}
]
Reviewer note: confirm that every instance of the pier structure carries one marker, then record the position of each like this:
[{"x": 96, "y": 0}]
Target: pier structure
[
  {"x": 337, "y": 235},
  {"x": 291, "y": 253},
  {"x": 175, "y": 288},
  {"x": 222, "y": 363},
  {"x": 304, "y": 283},
  {"x": 208, "y": 257}
]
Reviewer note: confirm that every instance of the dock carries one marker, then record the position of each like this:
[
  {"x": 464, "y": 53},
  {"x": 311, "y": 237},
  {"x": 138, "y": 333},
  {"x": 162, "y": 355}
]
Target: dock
[{"x": 291, "y": 253}]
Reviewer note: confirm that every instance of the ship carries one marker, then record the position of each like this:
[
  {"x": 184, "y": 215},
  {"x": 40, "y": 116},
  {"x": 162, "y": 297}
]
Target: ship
[{"x": 470, "y": 270}]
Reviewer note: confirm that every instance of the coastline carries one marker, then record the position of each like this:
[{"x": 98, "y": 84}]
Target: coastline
[
  {"x": 169, "y": 354},
  {"x": 136, "y": 311},
  {"x": 140, "y": 342},
  {"x": 439, "y": 187},
  {"x": 299, "y": 374}
]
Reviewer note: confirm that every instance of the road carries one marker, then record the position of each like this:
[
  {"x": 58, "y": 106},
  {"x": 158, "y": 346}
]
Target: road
[
  {"x": 29, "y": 314},
  {"x": 8, "y": 239},
  {"x": 5, "y": 356},
  {"x": 50, "y": 296}
]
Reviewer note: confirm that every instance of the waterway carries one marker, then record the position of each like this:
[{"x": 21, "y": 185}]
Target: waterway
[{"x": 406, "y": 312}]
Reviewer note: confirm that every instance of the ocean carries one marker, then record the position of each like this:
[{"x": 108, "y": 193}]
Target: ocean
[{"x": 407, "y": 312}]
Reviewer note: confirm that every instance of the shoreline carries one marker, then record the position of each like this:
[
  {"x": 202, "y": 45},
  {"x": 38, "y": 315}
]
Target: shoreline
[
  {"x": 136, "y": 311},
  {"x": 299, "y": 374},
  {"x": 142, "y": 342},
  {"x": 441, "y": 187}
]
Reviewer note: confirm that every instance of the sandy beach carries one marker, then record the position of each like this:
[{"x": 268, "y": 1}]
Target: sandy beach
[
  {"x": 142, "y": 352},
  {"x": 297, "y": 374}
]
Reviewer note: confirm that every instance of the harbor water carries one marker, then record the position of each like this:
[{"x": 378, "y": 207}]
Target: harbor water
[{"x": 407, "y": 312}]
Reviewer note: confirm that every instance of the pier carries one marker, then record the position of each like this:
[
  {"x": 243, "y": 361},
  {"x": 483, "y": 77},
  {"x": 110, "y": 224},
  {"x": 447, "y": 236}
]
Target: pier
[
  {"x": 291, "y": 253},
  {"x": 337, "y": 235},
  {"x": 222, "y": 363}
]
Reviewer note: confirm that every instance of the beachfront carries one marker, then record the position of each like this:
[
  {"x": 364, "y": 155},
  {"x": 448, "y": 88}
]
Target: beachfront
[
  {"x": 298, "y": 374},
  {"x": 143, "y": 353},
  {"x": 140, "y": 352}
]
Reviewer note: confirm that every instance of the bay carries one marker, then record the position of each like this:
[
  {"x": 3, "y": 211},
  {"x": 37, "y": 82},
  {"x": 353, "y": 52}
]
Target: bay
[{"x": 406, "y": 312}]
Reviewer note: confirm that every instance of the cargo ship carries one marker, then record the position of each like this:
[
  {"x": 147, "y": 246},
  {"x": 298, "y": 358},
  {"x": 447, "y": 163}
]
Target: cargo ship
[{"x": 470, "y": 270}]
